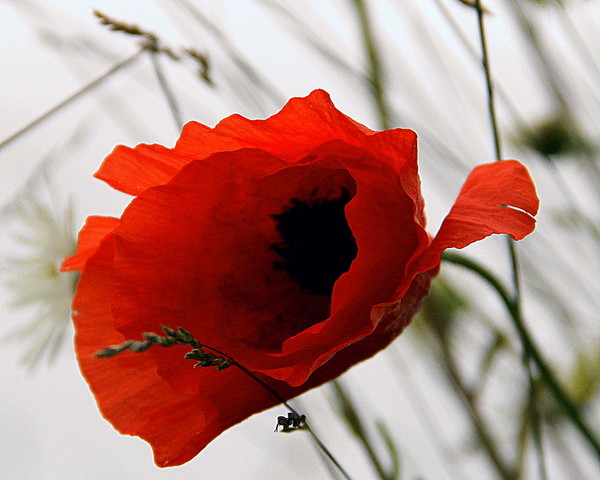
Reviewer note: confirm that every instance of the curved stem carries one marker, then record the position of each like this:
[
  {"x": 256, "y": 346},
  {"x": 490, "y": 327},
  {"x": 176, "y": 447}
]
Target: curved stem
[
  {"x": 247, "y": 372},
  {"x": 535, "y": 421},
  {"x": 326, "y": 451},
  {"x": 530, "y": 347}
]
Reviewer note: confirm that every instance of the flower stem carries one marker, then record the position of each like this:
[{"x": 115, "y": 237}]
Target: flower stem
[
  {"x": 535, "y": 420},
  {"x": 496, "y": 133},
  {"x": 247, "y": 372},
  {"x": 530, "y": 347}
]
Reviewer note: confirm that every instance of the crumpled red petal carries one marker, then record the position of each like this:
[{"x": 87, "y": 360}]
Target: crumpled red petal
[
  {"x": 497, "y": 198},
  {"x": 302, "y": 125},
  {"x": 94, "y": 230}
]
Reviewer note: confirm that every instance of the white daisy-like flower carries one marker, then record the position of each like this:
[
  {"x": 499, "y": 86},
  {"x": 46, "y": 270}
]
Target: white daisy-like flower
[{"x": 36, "y": 232}]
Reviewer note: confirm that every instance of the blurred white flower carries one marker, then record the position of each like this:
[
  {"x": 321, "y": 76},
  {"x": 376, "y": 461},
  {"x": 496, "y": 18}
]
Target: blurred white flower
[{"x": 36, "y": 233}]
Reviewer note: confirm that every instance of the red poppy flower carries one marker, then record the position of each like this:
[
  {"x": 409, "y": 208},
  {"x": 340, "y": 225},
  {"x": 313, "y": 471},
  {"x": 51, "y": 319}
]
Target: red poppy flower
[{"x": 295, "y": 244}]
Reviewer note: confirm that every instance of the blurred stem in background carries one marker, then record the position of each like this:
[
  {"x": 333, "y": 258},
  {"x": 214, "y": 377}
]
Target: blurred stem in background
[
  {"x": 167, "y": 91},
  {"x": 249, "y": 74},
  {"x": 553, "y": 80},
  {"x": 86, "y": 89},
  {"x": 375, "y": 76},
  {"x": 552, "y": 383},
  {"x": 441, "y": 312},
  {"x": 350, "y": 414},
  {"x": 510, "y": 243},
  {"x": 531, "y": 419}
]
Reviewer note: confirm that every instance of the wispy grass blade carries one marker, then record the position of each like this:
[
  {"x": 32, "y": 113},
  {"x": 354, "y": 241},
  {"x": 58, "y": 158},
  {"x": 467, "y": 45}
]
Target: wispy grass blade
[{"x": 86, "y": 89}]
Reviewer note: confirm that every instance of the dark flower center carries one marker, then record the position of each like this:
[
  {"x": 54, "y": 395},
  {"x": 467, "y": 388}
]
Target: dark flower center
[{"x": 317, "y": 244}]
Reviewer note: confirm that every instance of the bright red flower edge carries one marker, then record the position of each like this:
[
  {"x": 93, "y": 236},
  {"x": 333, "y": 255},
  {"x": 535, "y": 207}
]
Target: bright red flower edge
[{"x": 150, "y": 268}]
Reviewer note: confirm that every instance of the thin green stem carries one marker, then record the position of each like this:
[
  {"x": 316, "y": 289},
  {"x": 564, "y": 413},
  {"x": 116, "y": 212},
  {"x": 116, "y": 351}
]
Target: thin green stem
[
  {"x": 247, "y": 372},
  {"x": 522, "y": 435},
  {"x": 67, "y": 101},
  {"x": 546, "y": 374},
  {"x": 375, "y": 71},
  {"x": 512, "y": 250},
  {"x": 488, "y": 80},
  {"x": 496, "y": 135}
]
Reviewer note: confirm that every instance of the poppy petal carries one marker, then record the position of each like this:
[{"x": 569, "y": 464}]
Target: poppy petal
[
  {"x": 135, "y": 399},
  {"x": 497, "y": 198},
  {"x": 132, "y": 170},
  {"x": 138, "y": 402},
  {"x": 399, "y": 148},
  {"x": 94, "y": 230},
  {"x": 382, "y": 218},
  {"x": 302, "y": 125}
]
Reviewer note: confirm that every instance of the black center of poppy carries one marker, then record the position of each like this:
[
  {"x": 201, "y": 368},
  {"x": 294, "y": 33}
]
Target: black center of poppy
[{"x": 317, "y": 244}]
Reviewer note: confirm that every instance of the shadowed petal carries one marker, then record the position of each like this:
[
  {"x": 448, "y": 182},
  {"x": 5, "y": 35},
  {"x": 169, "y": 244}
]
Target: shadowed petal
[{"x": 90, "y": 236}]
